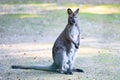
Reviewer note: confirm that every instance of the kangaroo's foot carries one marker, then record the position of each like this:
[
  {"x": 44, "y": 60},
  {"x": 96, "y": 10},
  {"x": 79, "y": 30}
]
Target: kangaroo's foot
[
  {"x": 78, "y": 70},
  {"x": 69, "y": 72}
]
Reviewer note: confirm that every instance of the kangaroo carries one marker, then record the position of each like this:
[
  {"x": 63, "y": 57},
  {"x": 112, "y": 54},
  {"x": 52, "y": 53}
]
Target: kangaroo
[{"x": 64, "y": 49}]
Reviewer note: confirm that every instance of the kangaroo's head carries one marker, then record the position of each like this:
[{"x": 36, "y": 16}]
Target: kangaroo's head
[{"x": 72, "y": 16}]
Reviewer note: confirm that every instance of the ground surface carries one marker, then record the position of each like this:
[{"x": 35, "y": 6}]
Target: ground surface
[{"x": 28, "y": 31}]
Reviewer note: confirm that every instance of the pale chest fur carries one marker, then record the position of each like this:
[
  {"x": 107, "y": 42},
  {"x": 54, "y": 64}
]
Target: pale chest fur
[{"x": 74, "y": 32}]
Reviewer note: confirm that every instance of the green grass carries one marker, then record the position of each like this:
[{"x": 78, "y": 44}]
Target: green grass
[
  {"x": 105, "y": 26},
  {"x": 65, "y": 2},
  {"x": 20, "y": 2},
  {"x": 101, "y": 17},
  {"x": 25, "y": 16},
  {"x": 17, "y": 24}
]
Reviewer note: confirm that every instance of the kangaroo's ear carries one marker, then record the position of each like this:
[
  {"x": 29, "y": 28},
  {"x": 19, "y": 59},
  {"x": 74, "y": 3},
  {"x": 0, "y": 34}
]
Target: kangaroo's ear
[
  {"x": 76, "y": 11},
  {"x": 69, "y": 11}
]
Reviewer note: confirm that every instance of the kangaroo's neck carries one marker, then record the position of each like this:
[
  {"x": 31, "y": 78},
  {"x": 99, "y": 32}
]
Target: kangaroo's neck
[{"x": 72, "y": 25}]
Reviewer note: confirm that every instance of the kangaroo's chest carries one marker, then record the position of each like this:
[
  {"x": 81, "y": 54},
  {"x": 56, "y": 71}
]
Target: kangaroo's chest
[{"x": 74, "y": 32}]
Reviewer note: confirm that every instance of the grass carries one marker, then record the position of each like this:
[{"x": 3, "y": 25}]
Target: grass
[
  {"x": 59, "y": 2},
  {"x": 101, "y": 17},
  {"x": 102, "y": 26},
  {"x": 25, "y": 16},
  {"x": 20, "y": 2}
]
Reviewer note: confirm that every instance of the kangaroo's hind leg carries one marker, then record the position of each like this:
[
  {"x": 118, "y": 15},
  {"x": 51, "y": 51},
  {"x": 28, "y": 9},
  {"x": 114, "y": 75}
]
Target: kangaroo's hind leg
[
  {"x": 71, "y": 58},
  {"x": 61, "y": 59}
]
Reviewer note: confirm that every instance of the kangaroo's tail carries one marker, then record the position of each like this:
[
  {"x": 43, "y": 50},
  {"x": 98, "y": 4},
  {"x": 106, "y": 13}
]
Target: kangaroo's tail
[{"x": 44, "y": 68}]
